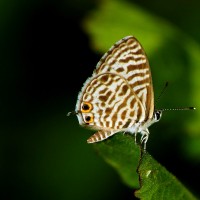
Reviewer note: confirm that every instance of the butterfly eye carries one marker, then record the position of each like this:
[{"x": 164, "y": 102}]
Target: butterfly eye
[
  {"x": 89, "y": 119},
  {"x": 86, "y": 107},
  {"x": 157, "y": 115}
]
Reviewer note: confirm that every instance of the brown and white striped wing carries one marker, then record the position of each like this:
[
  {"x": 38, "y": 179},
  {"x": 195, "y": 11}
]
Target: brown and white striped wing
[
  {"x": 128, "y": 59},
  {"x": 108, "y": 103}
]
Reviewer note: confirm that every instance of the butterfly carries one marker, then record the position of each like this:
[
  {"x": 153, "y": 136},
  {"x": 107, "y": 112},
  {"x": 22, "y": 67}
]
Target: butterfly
[{"x": 119, "y": 96}]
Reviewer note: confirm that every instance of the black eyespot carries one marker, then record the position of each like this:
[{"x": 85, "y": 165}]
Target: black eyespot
[
  {"x": 87, "y": 118},
  {"x": 85, "y": 107}
]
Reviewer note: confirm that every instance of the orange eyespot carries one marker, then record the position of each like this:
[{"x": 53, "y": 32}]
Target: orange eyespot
[
  {"x": 89, "y": 119},
  {"x": 86, "y": 107}
]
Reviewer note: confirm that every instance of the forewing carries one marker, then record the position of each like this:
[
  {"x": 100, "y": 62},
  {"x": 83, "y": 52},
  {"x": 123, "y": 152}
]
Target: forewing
[
  {"x": 128, "y": 59},
  {"x": 107, "y": 102}
]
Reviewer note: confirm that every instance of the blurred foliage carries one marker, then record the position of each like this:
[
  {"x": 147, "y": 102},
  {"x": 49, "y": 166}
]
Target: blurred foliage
[{"x": 42, "y": 43}]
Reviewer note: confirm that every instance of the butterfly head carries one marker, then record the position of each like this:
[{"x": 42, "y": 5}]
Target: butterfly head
[{"x": 157, "y": 115}]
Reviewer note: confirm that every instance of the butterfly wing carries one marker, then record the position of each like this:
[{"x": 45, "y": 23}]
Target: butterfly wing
[
  {"x": 128, "y": 59},
  {"x": 108, "y": 104}
]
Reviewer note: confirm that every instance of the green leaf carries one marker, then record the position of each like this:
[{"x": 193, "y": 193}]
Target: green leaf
[
  {"x": 121, "y": 152},
  {"x": 157, "y": 183},
  {"x": 123, "y": 155}
]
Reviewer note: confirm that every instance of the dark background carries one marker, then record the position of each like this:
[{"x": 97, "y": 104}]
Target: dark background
[{"x": 45, "y": 57}]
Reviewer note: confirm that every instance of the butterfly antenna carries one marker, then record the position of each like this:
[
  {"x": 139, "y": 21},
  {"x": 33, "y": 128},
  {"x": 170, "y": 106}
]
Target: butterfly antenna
[
  {"x": 162, "y": 92},
  {"x": 186, "y": 108}
]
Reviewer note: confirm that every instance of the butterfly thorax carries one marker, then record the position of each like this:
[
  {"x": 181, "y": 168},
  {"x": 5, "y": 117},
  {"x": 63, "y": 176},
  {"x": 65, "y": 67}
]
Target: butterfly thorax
[{"x": 143, "y": 126}]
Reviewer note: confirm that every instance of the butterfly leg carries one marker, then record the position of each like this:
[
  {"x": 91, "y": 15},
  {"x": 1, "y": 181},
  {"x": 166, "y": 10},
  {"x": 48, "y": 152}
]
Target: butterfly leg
[
  {"x": 99, "y": 136},
  {"x": 144, "y": 138},
  {"x": 136, "y": 137},
  {"x": 135, "y": 133}
]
